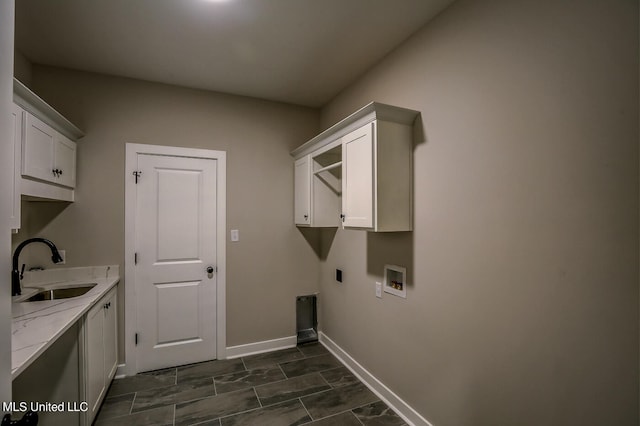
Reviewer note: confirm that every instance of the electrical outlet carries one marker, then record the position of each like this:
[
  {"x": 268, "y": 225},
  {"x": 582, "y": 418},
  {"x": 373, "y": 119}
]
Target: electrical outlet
[
  {"x": 63, "y": 255},
  {"x": 379, "y": 290},
  {"x": 235, "y": 235}
]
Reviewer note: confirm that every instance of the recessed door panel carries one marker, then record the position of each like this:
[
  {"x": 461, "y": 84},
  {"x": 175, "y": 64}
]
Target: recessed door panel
[
  {"x": 178, "y": 215},
  {"x": 178, "y": 300}
]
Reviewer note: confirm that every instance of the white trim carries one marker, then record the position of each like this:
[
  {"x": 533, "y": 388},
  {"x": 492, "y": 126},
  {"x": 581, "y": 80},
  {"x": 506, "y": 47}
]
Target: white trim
[
  {"x": 404, "y": 410},
  {"x": 121, "y": 372},
  {"x": 261, "y": 347},
  {"x": 132, "y": 151}
]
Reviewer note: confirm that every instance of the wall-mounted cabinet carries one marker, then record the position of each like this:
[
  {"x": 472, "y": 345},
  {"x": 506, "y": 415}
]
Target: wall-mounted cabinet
[
  {"x": 46, "y": 149},
  {"x": 358, "y": 172},
  {"x": 317, "y": 186},
  {"x": 302, "y": 191},
  {"x": 17, "y": 116},
  {"x": 48, "y": 155}
]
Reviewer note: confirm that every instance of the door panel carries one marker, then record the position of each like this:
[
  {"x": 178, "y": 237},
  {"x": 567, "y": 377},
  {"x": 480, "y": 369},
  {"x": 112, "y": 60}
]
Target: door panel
[
  {"x": 178, "y": 299},
  {"x": 65, "y": 161},
  {"x": 176, "y": 242},
  {"x": 178, "y": 214},
  {"x": 17, "y": 116},
  {"x": 302, "y": 192},
  {"x": 37, "y": 149},
  {"x": 357, "y": 179}
]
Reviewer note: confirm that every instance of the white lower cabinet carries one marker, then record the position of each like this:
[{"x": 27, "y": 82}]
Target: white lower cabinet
[{"x": 100, "y": 351}]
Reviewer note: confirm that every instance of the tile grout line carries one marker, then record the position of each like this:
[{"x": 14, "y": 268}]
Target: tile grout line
[
  {"x": 281, "y": 369},
  {"x": 257, "y": 397},
  {"x": 337, "y": 414},
  {"x": 356, "y": 416},
  {"x": 296, "y": 397},
  {"x": 325, "y": 380},
  {"x": 133, "y": 401},
  {"x": 305, "y": 409}
]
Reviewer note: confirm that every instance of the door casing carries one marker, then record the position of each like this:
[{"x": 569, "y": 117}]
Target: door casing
[{"x": 132, "y": 151}]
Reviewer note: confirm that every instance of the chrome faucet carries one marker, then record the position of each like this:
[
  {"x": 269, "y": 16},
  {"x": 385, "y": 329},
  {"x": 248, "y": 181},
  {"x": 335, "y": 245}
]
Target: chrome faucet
[{"x": 16, "y": 275}]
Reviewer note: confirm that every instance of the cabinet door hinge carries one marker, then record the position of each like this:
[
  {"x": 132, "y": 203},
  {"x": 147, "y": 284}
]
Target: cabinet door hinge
[
  {"x": 136, "y": 339},
  {"x": 137, "y": 174}
]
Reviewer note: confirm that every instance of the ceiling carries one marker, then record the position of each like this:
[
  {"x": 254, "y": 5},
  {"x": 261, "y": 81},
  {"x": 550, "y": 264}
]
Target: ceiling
[{"x": 296, "y": 51}]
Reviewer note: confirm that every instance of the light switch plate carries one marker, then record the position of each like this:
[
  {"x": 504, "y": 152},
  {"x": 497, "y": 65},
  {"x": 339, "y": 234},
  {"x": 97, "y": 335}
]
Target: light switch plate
[
  {"x": 235, "y": 235},
  {"x": 379, "y": 290}
]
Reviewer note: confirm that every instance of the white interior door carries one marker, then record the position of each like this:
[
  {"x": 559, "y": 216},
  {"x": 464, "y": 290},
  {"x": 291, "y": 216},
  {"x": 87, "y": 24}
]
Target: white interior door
[{"x": 175, "y": 245}]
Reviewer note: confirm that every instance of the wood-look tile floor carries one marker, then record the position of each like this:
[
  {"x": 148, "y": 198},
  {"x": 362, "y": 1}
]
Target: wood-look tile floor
[{"x": 298, "y": 386}]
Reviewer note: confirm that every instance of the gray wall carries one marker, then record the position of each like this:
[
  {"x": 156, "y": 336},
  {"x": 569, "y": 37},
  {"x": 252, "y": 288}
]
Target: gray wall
[
  {"x": 272, "y": 262},
  {"x": 522, "y": 304}
]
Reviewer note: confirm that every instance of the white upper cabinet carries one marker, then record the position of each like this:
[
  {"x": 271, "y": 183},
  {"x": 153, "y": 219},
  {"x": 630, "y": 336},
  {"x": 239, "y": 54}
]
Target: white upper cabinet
[
  {"x": 46, "y": 148},
  {"x": 378, "y": 175},
  {"x": 358, "y": 173},
  {"x": 37, "y": 150},
  {"x": 17, "y": 116},
  {"x": 64, "y": 161},
  {"x": 48, "y": 155},
  {"x": 358, "y": 184},
  {"x": 302, "y": 192}
]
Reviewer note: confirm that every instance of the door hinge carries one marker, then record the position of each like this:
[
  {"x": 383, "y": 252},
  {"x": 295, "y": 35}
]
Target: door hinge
[
  {"x": 136, "y": 339},
  {"x": 137, "y": 174},
  {"x": 135, "y": 258}
]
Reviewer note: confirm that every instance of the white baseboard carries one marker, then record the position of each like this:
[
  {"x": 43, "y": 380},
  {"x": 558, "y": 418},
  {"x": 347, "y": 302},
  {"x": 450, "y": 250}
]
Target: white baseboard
[
  {"x": 404, "y": 410},
  {"x": 260, "y": 347},
  {"x": 240, "y": 350},
  {"x": 120, "y": 372}
]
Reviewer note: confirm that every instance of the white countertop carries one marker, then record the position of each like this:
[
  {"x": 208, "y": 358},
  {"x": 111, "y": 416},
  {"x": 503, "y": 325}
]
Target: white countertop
[{"x": 36, "y": 325}]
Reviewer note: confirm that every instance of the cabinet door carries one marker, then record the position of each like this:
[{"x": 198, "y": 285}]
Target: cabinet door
[
  {"x": 95, "y": 382},
  {"x": 110, "y": 338},
  {"x": 37, "y": 149},
  {"x": 65, "y": 161},
  {"x": 17, "y": 115},
  {"x": 358, "y": 181},
  {"x": 302, "y": 191}
]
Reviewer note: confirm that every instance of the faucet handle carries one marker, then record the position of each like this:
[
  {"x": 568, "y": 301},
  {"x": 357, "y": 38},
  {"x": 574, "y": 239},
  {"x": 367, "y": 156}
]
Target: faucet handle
[{"x": 22, "y": 271}]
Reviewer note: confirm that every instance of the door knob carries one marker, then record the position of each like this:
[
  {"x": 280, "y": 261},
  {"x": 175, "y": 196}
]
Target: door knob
[{"x": 209, "y": 269}]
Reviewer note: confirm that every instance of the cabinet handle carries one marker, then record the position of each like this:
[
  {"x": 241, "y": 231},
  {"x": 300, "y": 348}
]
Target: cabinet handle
[
  {"x": 306, "y": 216},
  {"x": 342, "y": 216},
  {"x": 59, "y": 172}
]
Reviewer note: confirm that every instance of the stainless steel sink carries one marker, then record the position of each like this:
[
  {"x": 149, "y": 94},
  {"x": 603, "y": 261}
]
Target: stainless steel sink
[{"x": 61, "y": 293}]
